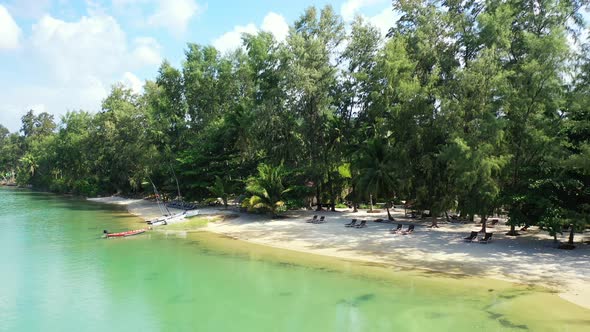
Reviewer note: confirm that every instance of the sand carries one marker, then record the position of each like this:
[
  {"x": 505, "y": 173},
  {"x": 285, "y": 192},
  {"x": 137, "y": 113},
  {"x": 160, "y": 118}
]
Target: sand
[{"x": 529, "y": 258}]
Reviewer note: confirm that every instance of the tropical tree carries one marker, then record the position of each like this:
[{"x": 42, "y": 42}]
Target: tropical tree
[
  {"x": 377, "y": 171},
  {"x": 538, "y": 56},
  {"x": 11, "y": 150},
  {"x": 312, "y": 43},
  {"x": 476, "y": 152},
  {"x": 470, "y": 105},
  {"x": 418, "y": 64},
  {"x": 222, "y": 188},
  {"x": 267, "y": 188}
]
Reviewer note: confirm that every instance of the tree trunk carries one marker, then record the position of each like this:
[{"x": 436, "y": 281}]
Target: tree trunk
[
  {"x": 317, "y": 194},
  {"x": 571, "y": 238},
  {"x": 389, "y": 217},
  {"x": 371, "y": 202},
  {"x": 176, "y": 179},
  {"x": 434, "y": 221},
  {"x": 332, "y": 196},
  {"x": 354, "y": 202},
  {"x": 484, "y": 223},
  {"x": 512, "y": 231},
  {"x": 447, "y": 216}
]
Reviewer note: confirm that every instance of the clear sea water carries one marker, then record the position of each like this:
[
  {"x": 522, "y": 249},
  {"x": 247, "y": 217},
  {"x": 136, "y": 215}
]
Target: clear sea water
[{"x": 58, "y": 274}]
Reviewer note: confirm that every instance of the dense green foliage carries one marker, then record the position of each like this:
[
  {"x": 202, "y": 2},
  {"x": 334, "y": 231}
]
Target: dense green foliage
[{"x": 470, "y": 106}]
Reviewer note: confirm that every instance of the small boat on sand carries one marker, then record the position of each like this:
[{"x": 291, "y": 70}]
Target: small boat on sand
[
  {"x": 173, "y": 218},
  {"x": 124, "y": 234},
  {"x": 166, "y": 219},
  {"x": 191, "y": 213}
]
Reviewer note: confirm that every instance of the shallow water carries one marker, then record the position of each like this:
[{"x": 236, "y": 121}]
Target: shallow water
[{"x": 59, "y": 275}]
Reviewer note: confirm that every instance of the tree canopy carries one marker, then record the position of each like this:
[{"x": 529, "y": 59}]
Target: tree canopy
[{"x": 471, "y": 106}]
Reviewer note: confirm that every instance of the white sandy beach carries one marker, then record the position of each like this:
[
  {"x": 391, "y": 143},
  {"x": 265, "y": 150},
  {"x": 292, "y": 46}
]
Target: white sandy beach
[{"x": 529, "y": 258}]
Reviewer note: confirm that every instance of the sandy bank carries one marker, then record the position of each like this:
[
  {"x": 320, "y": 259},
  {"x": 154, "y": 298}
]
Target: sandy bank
[{"x": 529, "y": 258}]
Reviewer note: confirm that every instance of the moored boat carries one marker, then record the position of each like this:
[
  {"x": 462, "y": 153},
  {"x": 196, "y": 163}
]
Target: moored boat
[
  {"x": 124, "y": 234},
  {"x": 191, "y": 213},
  {"x": 168, "y": 219}
]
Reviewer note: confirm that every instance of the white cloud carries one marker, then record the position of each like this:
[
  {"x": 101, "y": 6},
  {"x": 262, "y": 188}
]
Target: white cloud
[
  {"x": 78, "y": 61},
  {"x": 9, "y": 31},
  {"x": 29, "y": 8},
  {"x": 351, "y": 7},
  {"x": 275, "y": 24},
  {"x": 147, "y": 51},
  {"x": 175, "y": 15},
  {"x": 39, "y": 108},
  {"x": 272, "y": 22},
  {"x": 123, "y": 3},
  {"x": 231, "y": 40},
  {"x": 94, "y": 46},
  {"x": 132, "y": 82},
  {"x": 385, "y": 20},
  {"x": 56, "y": 98}
]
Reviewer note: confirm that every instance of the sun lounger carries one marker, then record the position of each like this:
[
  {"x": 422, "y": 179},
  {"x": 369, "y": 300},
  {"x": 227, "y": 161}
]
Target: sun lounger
[
  {"x": 410, "y": 230},
  {"x": 315, "y": 218},
  {"x": 396, "y": 230},
  {"x": 362, "y": 224},
  {"x": 320, "y": 221},
  {"x": 471, "y": 237},
  {"x": 351, "y": 224},
  {"x": 487, "y": 238},
  {"x": 388, "y": 221}
]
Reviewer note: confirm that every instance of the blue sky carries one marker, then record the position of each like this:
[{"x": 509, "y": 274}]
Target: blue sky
[{"x": 61, "y": 55}]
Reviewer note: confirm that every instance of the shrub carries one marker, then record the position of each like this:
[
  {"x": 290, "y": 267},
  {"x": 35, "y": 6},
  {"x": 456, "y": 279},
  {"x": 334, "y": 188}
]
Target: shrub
[
  {"x": 85, "y": 188},
  {"x": 58, "y": 186}
]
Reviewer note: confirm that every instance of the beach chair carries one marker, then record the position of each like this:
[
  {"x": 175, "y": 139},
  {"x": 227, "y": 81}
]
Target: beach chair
[
  {"x": 396, "y": 230},
  {"x": 471, "y": 237},
  {"x": 494, "y": 222},
  {"x": 313, "y": 219},
  {"x": 410, "y": 230},
  {"x": 351, "y": 224},
  {"x": 525, "y": 228},
  {"x": 362, "y": 224},
  {"x": 320, "y": 221},
  {"x": 487, "y": 238}
]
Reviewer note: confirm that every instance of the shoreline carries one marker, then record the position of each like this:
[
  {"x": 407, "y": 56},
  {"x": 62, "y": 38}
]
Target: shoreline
[{"x": 527, "y": 259}]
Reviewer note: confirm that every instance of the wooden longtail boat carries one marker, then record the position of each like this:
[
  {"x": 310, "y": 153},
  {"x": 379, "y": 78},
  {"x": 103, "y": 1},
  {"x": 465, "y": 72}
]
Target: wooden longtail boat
[{"x": 123, "y": 234}]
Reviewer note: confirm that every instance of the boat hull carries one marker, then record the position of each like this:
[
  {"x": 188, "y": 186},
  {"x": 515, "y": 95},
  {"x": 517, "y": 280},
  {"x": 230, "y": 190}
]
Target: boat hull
[
  {"x": 168, "y": 220},
  {"x": 191, "y": 213},
  {"x": 125, "y": 234}
]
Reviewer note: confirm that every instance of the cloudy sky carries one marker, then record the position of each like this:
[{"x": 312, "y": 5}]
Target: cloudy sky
[{"x": 60, "y": 55}]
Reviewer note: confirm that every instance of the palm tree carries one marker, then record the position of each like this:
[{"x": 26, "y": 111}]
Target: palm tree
[
  {"x": 376, "y": 171},
  {"x": 221, "y": 188},
  {"x": 29, "y": 162},
  {"x": 267, "y": 189}
]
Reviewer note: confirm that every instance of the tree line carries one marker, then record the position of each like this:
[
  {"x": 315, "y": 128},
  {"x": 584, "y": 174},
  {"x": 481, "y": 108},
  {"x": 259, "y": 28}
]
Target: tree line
[{"x": 469, "y": 106}]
